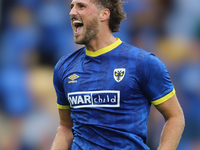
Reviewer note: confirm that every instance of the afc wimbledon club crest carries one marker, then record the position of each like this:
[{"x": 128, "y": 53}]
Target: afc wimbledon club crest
[{"x": 119, "y": 74}]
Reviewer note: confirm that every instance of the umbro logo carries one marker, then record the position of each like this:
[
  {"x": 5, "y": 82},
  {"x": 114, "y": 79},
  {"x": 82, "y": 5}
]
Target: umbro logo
[{"x": 73, "y": 78}]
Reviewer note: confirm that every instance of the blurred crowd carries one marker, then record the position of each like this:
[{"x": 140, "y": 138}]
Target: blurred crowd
[{"x": 36, "y": 33}]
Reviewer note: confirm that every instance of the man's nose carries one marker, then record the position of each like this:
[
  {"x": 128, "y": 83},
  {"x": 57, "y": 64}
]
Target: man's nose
[{"x": 73, "y": 12}]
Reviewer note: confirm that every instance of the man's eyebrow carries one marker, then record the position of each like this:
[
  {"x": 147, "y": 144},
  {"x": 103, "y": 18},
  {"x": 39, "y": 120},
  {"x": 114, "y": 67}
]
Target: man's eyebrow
[{"x": 78, "y": 3}]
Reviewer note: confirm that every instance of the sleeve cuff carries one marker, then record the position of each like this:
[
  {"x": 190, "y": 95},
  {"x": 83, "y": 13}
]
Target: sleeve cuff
[
  {"x": 63, "y": 106},
  {"x": 164, "y": 98}
]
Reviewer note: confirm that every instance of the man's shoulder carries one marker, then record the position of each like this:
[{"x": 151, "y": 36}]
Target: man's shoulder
[
  {"x": 70, "y": 58},
  {"x": 135, "y": 51}
]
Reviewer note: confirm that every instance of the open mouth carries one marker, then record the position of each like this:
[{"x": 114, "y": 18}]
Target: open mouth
[{"x": 78, "y": 26}]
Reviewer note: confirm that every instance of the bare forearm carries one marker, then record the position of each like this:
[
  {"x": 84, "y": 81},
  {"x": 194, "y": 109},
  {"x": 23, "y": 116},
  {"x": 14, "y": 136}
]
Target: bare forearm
[
  {"x": 63, "y": 139},
  {"x": 171, "y": 133}
]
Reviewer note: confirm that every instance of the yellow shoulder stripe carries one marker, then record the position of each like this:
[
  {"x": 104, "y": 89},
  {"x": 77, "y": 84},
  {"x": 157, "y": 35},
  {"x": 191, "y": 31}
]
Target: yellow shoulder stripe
[
  {"x": 104, "y": 50},
  {"x": 164, "y": 98},
  {"x": 63, "y": 106}
]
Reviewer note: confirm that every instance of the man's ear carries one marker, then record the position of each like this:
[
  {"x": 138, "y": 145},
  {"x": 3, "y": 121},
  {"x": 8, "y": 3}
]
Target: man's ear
[{"x": 104, "y": 14}]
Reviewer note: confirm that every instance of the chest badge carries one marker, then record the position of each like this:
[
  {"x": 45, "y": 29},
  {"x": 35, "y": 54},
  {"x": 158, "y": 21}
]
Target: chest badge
[{"x": 119, "y": 74}]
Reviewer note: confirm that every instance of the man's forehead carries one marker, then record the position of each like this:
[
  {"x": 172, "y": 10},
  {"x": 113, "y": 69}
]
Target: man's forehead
[{"x": 81, "y": 1}]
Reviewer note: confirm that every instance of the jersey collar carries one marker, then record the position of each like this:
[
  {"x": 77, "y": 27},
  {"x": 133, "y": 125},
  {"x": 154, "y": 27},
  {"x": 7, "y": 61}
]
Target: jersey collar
[{"x": 104, "y": 50}]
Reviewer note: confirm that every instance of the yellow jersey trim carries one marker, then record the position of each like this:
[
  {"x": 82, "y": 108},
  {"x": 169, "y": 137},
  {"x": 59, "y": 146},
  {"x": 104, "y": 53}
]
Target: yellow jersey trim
[
  {"x": 63, "y": 106},
  {"x": 164, "y": 98},
  {"x": 104, "y": 50}
]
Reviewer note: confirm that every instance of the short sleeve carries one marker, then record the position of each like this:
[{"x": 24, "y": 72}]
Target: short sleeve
[
  {"x": 62, "y": 102},
  {"x": 155, "y": 81}
]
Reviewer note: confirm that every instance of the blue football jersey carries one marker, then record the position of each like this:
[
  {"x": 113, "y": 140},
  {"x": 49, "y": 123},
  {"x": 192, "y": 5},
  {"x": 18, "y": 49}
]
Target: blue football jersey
[{"x": 109, "y": 93}]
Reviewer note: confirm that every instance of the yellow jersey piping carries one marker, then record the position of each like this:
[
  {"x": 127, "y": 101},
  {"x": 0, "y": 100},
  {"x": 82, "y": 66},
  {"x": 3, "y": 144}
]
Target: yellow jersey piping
[{"x": 104, "y": 50}]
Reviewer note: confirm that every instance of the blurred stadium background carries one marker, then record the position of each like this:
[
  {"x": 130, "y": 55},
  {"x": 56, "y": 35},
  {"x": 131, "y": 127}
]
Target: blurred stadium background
[{"x": 36, "y": 33}]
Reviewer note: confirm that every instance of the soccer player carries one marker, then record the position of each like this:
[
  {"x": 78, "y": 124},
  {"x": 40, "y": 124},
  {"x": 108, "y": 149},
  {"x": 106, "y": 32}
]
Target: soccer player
[{"x": 105, "y": 89}]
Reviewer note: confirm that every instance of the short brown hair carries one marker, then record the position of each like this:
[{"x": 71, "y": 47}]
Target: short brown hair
[{"x": 117, "y": 13}]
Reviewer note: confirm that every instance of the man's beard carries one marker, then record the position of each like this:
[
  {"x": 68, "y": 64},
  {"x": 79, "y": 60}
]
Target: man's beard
[{"x": 90, "y": 32}]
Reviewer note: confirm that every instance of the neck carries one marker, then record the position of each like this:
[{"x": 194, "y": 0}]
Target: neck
[{"x": 100, "y": 41}]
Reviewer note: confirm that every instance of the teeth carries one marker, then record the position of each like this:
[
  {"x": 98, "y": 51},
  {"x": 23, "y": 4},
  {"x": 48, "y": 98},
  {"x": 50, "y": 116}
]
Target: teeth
[{"x": 77, "y": 22}]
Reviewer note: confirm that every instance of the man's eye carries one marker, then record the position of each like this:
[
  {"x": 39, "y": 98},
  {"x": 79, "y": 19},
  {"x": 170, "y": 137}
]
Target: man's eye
[
  {"x": 82, "y": 6},
  {"x": 71, "y": 6}
]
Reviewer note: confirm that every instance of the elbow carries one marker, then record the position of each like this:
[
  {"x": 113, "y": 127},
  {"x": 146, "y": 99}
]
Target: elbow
[
  {"x": 182, "y": 121},
  {"x": 177, "y": 120}
]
